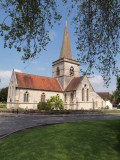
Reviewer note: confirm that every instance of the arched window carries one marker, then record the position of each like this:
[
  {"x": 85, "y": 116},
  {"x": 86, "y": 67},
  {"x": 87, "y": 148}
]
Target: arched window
[
  {"x": 71, "y": 97},
  {"x": 65, "y": 97},
  {"x": 71, "y": 71},
  {"x": 87, "y": 94},
  {"x": 43, "y": 97},
  {"x": 58, "y": 97},
  {"x": 82, "y": 94},
  {"x": 10, "y": 92},
  {"x": 96, "y": 103},
  {"x": 26, "y": 96},
  {"x": 58, "y": 71}
]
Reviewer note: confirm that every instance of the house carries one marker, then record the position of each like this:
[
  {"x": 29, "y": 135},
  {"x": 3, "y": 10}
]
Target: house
[
  {"x": 106, "y": 97},
  {"x": 27, "y": 90}
]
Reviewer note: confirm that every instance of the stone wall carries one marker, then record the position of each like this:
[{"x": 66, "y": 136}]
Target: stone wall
[{"x": 34, "y": 98}]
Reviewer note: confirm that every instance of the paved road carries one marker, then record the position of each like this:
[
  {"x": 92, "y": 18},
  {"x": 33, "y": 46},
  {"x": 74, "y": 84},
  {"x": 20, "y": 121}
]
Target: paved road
[{"x": 10, "y": 123}]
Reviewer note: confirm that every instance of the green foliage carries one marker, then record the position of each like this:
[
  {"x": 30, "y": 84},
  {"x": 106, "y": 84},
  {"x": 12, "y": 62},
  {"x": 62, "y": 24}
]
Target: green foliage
[
  {"x": 3, "y": 94},
  {"x": 97, "y": 27},
  {"x": 43, "y": 106},
  {"x": 96, "y": 22},
  {"x": 107, "y": 107},
  {"x": 26, "y": 25},
  {"x": 54, "y": 103},
  {"x": 115, "y": 97},
  {"x": 2, "y": 105}
]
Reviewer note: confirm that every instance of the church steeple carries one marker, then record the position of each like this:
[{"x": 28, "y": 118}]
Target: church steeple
[
  {"x": 65, "y": 49},
  {"x": 65, "y": 68}
]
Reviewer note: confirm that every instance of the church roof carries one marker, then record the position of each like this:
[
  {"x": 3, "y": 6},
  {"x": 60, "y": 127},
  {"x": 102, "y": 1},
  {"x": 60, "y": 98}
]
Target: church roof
[
  {"x": 104, "y": 95},
  {"x": 74, "y": 84},
  {"x": 66, "y": 49},
  {"x": 28, "y": 81}
]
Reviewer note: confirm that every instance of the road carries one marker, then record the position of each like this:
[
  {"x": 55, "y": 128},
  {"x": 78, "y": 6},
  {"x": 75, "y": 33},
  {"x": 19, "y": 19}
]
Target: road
[{"x": 10, "y": 123}]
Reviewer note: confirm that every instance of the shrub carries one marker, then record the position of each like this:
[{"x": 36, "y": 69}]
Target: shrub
[
  {"x": 107, "y": 107},
  {"x": 2, "y": 105},
  {"x": 42, "y": 106},
  {"x": 55, "y": 103}
]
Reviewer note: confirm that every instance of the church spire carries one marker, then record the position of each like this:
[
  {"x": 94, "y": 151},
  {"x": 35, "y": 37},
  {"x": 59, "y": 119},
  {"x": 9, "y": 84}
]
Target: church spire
[{"x": 65, "y": 49}]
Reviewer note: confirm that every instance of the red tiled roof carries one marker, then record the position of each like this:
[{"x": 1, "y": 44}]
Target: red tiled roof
[
  {"x": 73, "y": 84},
  {"x": 28, "y": 81},
  {"x": 104, "y": 95}
]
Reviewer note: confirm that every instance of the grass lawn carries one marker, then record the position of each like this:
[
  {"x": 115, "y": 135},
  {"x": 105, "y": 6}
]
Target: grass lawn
[
  {"x": 93, "y": 140},
  {"x": 114, "y": 111}
]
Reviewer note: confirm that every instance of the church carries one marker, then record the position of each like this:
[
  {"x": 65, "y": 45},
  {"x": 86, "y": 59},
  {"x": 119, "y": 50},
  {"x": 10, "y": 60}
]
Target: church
[{"x": 27, "y": 90}]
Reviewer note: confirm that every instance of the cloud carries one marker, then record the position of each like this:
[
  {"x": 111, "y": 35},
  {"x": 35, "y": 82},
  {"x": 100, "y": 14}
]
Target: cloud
[
  {"x": 52, "y": 35},
  {"x": 99, "y": 86},
  {"x": 5, "y": 76},
  {"x": 96, "y": 79}
]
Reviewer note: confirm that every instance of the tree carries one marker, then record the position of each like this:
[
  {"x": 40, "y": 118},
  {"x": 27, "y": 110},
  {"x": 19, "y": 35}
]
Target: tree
[
  {"x": 97, "y": 26},
  {"x": 26, "y": 26},
  {"x": 96, "y": 22},
  {"x": 55, "y": 103},
  {"x": 3, "y": 94},
  {"x": 115, "y": 98}
]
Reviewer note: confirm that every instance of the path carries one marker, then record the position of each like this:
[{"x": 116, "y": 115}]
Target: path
[{"x": 10, "y": 123}]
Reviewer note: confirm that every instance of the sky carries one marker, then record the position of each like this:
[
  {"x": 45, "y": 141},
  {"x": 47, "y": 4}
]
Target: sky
[{"x": 10, "y": 59}]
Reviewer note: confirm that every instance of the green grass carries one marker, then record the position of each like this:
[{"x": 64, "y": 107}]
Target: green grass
[
  {"x": 114, "y": 111},
  {"x": 94, "y": 140}
]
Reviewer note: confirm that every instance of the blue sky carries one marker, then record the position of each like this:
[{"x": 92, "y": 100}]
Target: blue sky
[{"x": 10, "y": 59}]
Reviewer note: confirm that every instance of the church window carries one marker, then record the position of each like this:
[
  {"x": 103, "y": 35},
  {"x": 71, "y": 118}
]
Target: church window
[
  {"x": 58, "y": 97},
  {"x": 71, "y": 97},
  {"x": 96, "y": 103},
  {"x": 82, "y": 94},
  {"x": 65, "y": 97},
  {"x": 71, "y": 71},
  {"x": 26, "y": 96},
  {"x": 10, "y": 91},
  {"x": 43, "y": 97},
  {"x": 87, "y": 94},
  {"x": 58, "y": 71},
  {"x": 85, "y": 86}
]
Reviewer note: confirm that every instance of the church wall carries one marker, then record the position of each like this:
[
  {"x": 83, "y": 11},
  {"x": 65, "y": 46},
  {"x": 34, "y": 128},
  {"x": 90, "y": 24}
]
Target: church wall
[
  {"x": 70, "y": 104},
  {"x": 11, "y": 91},
  {"x": 34, "y": 98},
  {"x": 61, "y": 67},
  {"x": 94, "y": 100}
]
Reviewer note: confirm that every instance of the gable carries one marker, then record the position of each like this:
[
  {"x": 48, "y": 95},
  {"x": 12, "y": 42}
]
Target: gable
[
  {"x": 73, "y": 85},
  {"x": 28, "y": 81}
]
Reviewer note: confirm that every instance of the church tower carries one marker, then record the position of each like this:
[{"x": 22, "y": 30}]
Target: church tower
[{"x": 65, "y": 68}]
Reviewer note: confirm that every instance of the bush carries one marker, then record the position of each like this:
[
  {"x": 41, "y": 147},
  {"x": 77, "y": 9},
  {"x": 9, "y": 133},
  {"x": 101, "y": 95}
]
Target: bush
[
  {"x": 42, "y": 106},
  {"x": 107, "y": 107},
  {"x": 2, "y": 105},
  {"x": 54, "y": 103}
]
